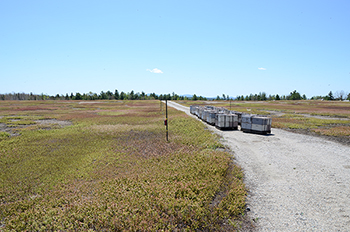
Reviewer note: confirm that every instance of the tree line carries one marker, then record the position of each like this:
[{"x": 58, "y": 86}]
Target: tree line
[
  {"x": 262, "y": 96},
  {"x": 116, "y": 95},
  {"x": 108, "y": 95},
  {"x": 294, "y": 95},
  {"x": 339, "y": 95}
]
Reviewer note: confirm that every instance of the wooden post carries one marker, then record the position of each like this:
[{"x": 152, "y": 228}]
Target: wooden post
[{"x": 166, "y": 118}]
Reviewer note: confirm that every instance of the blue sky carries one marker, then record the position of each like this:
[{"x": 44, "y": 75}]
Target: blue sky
[{"x": 202, "y": 47}]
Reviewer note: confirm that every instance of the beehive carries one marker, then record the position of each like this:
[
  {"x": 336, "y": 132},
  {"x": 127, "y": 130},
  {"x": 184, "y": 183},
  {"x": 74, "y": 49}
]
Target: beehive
[
  {"x": 256, "y": 124},
  {"x": 211, "y": 117},
  {"x": 225, "y": 119}
]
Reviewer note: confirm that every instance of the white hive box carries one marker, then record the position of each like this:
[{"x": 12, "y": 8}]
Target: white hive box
[
  {"x": 258, "y": 124},
  {"x": 220, "y": 120},
  {"x": 211, "y": 118},
  {"x": 246, "y": 118},
  {"x": 246, "y": 127}
]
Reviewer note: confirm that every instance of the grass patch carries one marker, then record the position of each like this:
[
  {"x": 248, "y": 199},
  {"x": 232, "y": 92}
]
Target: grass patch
[
  {"x": 117, "y": 172},
  {"x": 16, "y": 123},
  {"x": 334, "y": 131},
  {"x": 110, "y": 113},
  {"x": 4, "y": 135},
  {"x": 295, "y": 121}
]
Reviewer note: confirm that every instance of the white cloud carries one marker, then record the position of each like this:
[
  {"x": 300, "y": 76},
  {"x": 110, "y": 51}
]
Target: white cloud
[
  {"x": 155, "y": 70},
  {"x": 262, "y": 68}
]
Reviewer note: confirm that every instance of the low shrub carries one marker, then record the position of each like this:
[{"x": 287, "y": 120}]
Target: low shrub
[{"x": 115, "y": 171}]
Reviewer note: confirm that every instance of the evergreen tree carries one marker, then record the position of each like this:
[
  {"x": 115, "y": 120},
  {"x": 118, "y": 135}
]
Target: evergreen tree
[
  {"x": 132, "y": 95},
  {"x": 154, "y": 96},
  {"x": 103, "y": 95},
  {"x": 294, "y": 96},
  {"x": 109, "y": 95},
  {"x": 78, "y": 96},
  {"x": 122, "y": 96},
  {"x": 330, "y": 96},
  {"x": 116, "y": 94}
]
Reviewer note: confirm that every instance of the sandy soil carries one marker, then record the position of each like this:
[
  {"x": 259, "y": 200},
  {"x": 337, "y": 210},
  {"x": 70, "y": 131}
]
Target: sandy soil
[
  {"x": 55, "y": 122},
  {"x": 296, "y": 182},
  {"x": 279, "y": 114}
]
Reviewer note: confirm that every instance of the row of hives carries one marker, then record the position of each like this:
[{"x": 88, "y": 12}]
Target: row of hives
[{"x": 229, "y": 120}]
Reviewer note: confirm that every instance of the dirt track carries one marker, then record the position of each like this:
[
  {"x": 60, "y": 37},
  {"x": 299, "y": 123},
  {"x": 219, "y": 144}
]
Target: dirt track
[{"x": 296, "y": 182}]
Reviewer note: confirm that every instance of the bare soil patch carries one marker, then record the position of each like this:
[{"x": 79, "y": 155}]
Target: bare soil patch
[
  {"x": 54, "y": 121},
  {"x": 46, "y": 124},
  {"x": 280, "y": 113},
  {"x": 4, "y": 128}
]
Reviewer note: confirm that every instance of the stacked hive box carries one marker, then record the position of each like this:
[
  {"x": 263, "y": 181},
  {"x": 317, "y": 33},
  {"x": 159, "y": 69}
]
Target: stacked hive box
[
  {"x": 193, "y": 109},
  {"x": 212, "y": 117},
  {"x": 233, "y": 121},
  {"x": 261, "y": 124},
  {"x": 225, "y": 119},
  {"x": 239, "y": 114},
  {"x": 200, "y": 112},
  {"x": 256, "y": 124},
  {"x": 204, "y": 115},
  {"x": 220, "y": 120},
  {"x": 246, "y": 122}
]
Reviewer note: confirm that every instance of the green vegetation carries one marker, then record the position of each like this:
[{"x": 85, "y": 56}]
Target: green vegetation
[
  {"x": 113, "y": 170},
  {"x": 294, "y": 121},
  {"x": 4, "y": 135}
]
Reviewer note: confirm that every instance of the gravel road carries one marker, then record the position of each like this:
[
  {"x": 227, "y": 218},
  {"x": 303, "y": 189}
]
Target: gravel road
[{"x": 296, "y": 182}]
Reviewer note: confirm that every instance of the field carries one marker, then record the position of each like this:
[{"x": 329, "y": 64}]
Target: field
[
  {"x": 329, "y": 119},
  {"x": 70, "y": 165}
]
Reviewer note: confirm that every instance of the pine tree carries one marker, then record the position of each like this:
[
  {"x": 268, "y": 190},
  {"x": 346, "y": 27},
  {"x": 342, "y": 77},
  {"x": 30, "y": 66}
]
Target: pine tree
[{"x": 116, "y": 94}]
